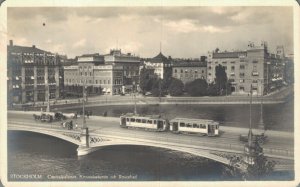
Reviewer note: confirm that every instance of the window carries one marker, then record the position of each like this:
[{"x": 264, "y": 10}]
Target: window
[
  {"x": 104, "y": 81},
  {"x": 202, "y": 126},
  {"x": 182, "y": 125},
  {"x": 181, "y": 71},
  {"x": 195, "y": 125},
  {"x": 175, "y": 70},
  {"x": 209, "y": 67},
  {"x": 149, "y": 121},
  {"x": 254, "y": 81},
  {"x": 108, "y": 81},
  {"x": 188, "y": 125},
  {"x": 96, "y": 81},
  {"x": 224, "y": 62},
  {"x": 232, "y": 62},
  {"x": 209, "y": 73},
  {"x": 132, "y": 119},
  {"x": 242, "y": 74},
  {"x": 90, "y": 73},
  {"x": 242, "y": 88},
  {"x": 242, "y": 80},
  {"x": 242, "y": 66},
  {"x": 232, "y": 68},
  {"x": 138, "y": 120},
  {"x": 202, "y": 71}
]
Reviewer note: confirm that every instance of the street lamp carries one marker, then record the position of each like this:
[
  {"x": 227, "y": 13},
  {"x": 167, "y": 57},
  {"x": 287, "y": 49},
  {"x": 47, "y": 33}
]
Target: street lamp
[
  {"x": 48, "y": 89},
  {"x": 268, "y": 77},
  {"x": 261, "y": 121},
  {"x": 83, "y": 104}
]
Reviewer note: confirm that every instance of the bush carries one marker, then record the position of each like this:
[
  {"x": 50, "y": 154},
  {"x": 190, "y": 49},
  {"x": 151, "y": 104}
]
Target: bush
[
  {"x": 198, "y": 87},
  {"x": 176, "y": 87}
]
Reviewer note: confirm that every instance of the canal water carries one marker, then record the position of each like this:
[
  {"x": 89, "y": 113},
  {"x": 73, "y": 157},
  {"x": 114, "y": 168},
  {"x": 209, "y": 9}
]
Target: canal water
[
  {"x": 37, "y": 157},
  {"x": 275, "y": 116}
]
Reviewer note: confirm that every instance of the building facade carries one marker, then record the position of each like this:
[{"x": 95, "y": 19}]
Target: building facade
[
  {"x": 33, "y": 74},
  {"x": 160, "y": 64},
  {"x": 187, "y": 71},
  {"x": 254, "y": 67},
  {"x": 130, "y": 64},
  {"x": 92, "y": 73}
]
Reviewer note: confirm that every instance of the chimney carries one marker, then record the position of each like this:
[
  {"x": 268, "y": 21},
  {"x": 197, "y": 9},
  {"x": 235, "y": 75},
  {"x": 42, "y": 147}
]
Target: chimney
[
  {"x": 11, "y": 43},
  {"x": 33, "y": 46}
]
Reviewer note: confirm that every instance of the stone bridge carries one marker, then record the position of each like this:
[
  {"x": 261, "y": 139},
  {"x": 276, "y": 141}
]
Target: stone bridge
[{"x": 91, "y": 141}]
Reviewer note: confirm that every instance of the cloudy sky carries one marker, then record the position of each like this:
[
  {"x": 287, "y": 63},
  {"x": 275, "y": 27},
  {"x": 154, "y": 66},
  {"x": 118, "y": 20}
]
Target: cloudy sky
[{"x": 182, "y": 31}]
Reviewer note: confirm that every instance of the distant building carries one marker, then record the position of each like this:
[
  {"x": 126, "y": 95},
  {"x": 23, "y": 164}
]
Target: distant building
[
  {"x": 33, "y": 74},
  {"x": 160, "y": 64},
  {"x": 254, "y": 66},
  {"x": 130, "y": 64},
  {"x": 187, "y": 71},
  {"x": 91, "y": 72}
]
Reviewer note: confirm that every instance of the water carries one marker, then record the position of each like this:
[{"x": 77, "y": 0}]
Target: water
[{"x": 276, "y": 116}]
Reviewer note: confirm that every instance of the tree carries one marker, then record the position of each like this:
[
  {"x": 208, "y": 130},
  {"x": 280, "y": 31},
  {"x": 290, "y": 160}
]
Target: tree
[
  {"x": 212, "y": 90},
  {"x": 221, "y": 79},
  {"x": 156, "y": 88},
  {"x": 167, "y": 80},
  {"x": 145, "y": 80},
  {"x": 198, "y": 87},
  {"x": 176, "y": 87}
]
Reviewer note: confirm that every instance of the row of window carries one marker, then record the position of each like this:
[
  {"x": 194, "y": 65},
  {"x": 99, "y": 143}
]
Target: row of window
[
  {"x": 147, "y": 121},
  {"x": 91, "y": 81},
  {"x": 186, "y": 71}
]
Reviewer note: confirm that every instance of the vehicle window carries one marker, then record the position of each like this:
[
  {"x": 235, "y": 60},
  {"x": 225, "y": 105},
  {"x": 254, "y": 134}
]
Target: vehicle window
[
  {"x": 149, "y": 121},
  {"x": 195, "y": 125},
  {"x": 175, "y": 123},
  {"x": 132, "y": 119},
  {"x": 202, "y": 126},
  {"x": 138, "y": 120},
  {"x": 217, "y": 126},
  {"x": 127, "y": 119},
  {"x": 154, "y": 121},
  {"x": 188, "y": 125},
  {"x": 182, "y": 125},
  {"x": 143, "y": 120}
]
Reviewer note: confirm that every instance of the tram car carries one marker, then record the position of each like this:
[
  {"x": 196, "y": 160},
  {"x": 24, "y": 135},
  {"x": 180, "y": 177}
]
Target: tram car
[
  {"x": 199, "y": 126},
  {"x": 153, "y": 122}
]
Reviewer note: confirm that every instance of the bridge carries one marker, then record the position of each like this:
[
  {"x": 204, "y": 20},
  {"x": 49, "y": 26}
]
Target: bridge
[{"x": 106, "y": 132}]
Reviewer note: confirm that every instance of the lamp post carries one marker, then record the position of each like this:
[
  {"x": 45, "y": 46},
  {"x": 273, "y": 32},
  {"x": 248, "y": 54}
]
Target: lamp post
[
  {"x": 83, "y": 105},
  {"x": 261, "y": 121},
  {"x": 268, "y": 77},
  {"x": 48, "y": 89}
]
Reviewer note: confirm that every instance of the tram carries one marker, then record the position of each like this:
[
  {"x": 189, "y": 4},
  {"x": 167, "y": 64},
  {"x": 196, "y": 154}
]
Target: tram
[
  {"x": 153, "y": 122},
  {"x": 201, "y": 126}
]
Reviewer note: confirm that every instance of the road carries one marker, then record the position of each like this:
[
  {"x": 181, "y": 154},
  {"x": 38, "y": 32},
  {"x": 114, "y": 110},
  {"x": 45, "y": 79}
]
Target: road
[{"x": 281, "y": 142}]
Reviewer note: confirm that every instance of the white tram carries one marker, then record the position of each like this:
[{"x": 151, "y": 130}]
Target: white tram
[
  {"x": 154, "y": 122},
  {"x": 202, "y": 126}
]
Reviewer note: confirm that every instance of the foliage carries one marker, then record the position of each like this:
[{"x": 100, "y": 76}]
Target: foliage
[
  {"x": 145, "y": 81},
  {"x": 156, "y": 88},
  {"x": 198, "y": 87},
  {"x": 221, "y": 79},
  {"x": 176, "y": 87},
  {"x": 212, "y": 90}
]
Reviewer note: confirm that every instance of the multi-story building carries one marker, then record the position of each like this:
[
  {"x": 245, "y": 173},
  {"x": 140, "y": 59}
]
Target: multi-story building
[
  {"x": 160, "y": 64},
  {"x": 187, "y": 70},
  {"x": 91, "y": 72},
  {"x": 33, "y": 74},
  {"x": 130, "y": 64},
  {"x": 254, "y": 66}
]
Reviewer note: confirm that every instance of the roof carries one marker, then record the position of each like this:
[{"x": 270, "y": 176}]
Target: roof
[
  {"x": 189, "y": 64},
  {"x": 192, "y": 120},
  {"x": 142, "y": 116},
  {"x": 160, "y": 58},
  {"x": 25, "y": 49},
  {"x": 234, "y": 54}
]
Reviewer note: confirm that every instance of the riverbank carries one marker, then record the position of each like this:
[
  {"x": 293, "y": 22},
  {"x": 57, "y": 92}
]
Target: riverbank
[{"x": 277, "y": 97}]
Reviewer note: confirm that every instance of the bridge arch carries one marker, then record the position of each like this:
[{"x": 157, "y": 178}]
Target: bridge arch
[
  {"x": 193, "y": 151},
  {"x": 49, "y": 133}
]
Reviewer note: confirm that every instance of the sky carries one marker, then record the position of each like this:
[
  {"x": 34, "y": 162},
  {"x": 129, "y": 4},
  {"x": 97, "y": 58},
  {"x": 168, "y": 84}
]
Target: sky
[{"x": 182, "y": 32}]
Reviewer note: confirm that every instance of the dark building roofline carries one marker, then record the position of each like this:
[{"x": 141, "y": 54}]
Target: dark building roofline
[
  {"x": 160, "y": 58},
  {"x": 189, "y": 64},
  {"x": 25, "y": 49},
  {"x": 234, "y": 54}
]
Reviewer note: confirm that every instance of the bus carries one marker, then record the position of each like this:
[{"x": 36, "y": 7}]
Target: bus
[
  {"x": 151, "y": 122},
  {"x": 199, "y": 126}
]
